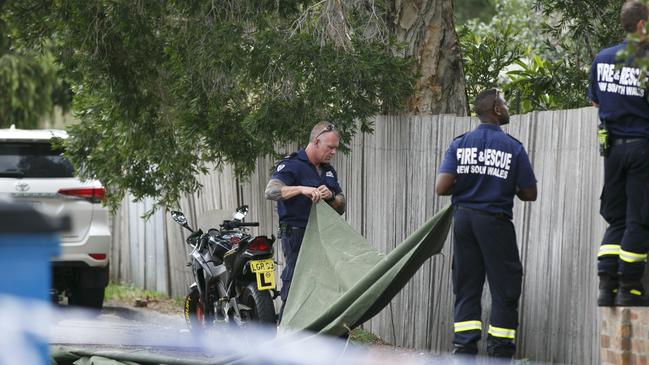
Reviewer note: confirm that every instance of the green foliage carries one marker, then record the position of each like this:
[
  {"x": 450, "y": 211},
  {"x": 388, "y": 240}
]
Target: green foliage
[
  {"x": 361, "y": 336},
  {"x": 539, "y": 52},
  {"x": 586, "y": 26},
  {"x": 487, "y": 54},
  {"x": 128, "y": 292},
  {"x": 27, "y": 82},
  {"x": 166, "y": 88},
  {"x": 30, "y": 79},
  {"x": 30, "y": 84},
  {"x": 540, "y": 84},
  {"x": 466, "y": 10}
]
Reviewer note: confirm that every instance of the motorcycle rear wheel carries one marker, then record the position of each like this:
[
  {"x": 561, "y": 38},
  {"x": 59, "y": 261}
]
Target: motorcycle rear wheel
[
  {"x": 194, "y": 310},
  {"x": 261, "y": 304}
]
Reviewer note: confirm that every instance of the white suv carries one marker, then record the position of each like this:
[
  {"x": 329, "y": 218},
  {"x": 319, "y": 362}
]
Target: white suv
[{"x": 32, "y": 172}]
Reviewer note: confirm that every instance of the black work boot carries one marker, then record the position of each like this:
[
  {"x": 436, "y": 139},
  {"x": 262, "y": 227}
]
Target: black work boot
[
  {"x": 607, "y": 290},
  {"x": 631, "y": 294},
  {"x": 467, "y": 350},
  {"x": 502, "y": 348}
]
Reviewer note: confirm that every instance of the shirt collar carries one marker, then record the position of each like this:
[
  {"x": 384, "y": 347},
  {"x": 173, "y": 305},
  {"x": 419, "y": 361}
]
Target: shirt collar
[
  {"x": 301, "y": 154},
  {"x": 490, "y": 126}
]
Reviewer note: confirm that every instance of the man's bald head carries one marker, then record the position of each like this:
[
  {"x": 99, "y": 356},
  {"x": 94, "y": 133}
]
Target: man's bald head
[{"x": 322, "y": 128}]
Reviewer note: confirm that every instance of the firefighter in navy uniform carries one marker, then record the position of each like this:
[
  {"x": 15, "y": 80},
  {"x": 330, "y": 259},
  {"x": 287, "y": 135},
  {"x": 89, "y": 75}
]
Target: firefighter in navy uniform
[
  {"x": 624, "y": 143},
  {"x": 300, "y": 180},
  {"x": 483, "y": 170}
]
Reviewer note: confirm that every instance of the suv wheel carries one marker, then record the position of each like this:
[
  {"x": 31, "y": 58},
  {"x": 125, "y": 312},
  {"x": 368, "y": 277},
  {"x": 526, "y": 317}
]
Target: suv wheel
[{"x": 87, "y": 297}]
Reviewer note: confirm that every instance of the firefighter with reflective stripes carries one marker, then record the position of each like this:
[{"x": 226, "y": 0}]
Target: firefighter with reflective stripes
[
  {"x": 615, "y": 88},
  {"x": 483, "y": 170}
]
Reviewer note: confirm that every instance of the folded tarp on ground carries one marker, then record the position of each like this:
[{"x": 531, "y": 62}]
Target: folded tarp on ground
[
  {"x": 341, "y": 281},
  {"x": 71, "y": 355}
]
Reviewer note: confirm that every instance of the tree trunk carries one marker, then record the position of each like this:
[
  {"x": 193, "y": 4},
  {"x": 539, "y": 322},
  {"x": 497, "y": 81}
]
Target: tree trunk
[{"x": 428, "y": 30}]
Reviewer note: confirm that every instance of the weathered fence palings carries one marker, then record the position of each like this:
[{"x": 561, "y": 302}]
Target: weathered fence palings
[{"x": 388, "y": 178}]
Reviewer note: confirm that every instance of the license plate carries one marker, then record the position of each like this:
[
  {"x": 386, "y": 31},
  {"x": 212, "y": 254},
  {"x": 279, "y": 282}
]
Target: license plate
[
  {"x": 262, "y": 265},
  {"x": 265, "y": 271}
]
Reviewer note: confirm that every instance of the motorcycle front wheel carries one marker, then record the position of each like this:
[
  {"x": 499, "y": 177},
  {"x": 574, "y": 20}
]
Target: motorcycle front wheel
[
  {"x": 194, "y": 311},
  {"x": 260, "y": 303}
]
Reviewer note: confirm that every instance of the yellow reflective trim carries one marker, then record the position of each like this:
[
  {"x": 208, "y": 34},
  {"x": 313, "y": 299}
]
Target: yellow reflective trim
[
  {"x": 632, "y": 257},
  {"x": 613, "y": 250},
  {"x": 635, "y": 292},
  {"x": 502, "y": 332},
  {"x": 467, "y": 326}
]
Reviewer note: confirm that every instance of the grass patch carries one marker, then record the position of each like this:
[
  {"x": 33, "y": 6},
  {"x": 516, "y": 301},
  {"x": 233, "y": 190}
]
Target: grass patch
[
  {"x": 130, "y": 296},
  {"x": 178, "y": 301},
  {"x": 128, "y": 292},
  {"x": 362, "y": 336}
]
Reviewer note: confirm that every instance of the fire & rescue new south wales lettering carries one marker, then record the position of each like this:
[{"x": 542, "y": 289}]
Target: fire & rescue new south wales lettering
[
  {"x": 483, "y": 162},
  {"x": 623, "y": 81}
]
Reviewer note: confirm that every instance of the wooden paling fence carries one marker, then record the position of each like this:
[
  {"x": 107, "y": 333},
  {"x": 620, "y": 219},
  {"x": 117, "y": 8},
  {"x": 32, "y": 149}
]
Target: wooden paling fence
[{"x": 388, "y": 179}]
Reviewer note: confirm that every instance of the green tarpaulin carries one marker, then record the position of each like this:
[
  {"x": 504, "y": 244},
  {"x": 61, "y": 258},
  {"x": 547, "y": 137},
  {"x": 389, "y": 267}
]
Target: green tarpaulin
[
  {"x": 88, "y": 355},
  {"x": 341, "y": 281}
]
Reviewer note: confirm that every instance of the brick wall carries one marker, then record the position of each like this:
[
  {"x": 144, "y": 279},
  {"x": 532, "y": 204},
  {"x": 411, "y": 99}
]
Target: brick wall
[{"x": 625, "y": 336}]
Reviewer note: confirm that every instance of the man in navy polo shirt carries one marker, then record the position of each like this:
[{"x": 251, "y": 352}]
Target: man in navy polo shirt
[
  {"x": 624, "y": 141},
  {"x": 483, "y": 170},
  {"x": 300, "y": 180}
]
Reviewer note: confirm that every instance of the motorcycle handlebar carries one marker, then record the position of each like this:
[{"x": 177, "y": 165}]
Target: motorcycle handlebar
[
  {"x": 249, "y": 224},
  {"x": 235, "y": 224},
  {"x": 194, "y": 236}
]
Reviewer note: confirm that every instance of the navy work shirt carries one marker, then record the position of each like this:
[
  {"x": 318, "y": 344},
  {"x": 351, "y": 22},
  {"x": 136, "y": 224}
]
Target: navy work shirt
[
  {"x": 622, "y": 102},
  {"x": 296, "y": 170},
  {"x": 489, "y": 166}
]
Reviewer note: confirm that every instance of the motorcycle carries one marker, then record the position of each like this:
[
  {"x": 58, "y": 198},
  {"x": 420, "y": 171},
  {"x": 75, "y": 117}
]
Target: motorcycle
[{"x": 234, "y": 275}]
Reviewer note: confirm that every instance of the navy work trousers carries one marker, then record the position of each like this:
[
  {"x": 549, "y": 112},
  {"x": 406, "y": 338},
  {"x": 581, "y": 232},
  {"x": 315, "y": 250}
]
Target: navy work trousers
[
  {"x": 624, "y": 205},
  {"x": 485, "y": 243},
  {"x": 291, "y": 243}
]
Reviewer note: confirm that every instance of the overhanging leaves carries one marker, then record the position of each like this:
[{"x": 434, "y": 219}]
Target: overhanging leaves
[{"x": 163, "y": 89}]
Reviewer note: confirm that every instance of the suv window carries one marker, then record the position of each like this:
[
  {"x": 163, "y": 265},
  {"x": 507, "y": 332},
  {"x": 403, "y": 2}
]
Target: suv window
[{"x": 33, "y": 160}]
